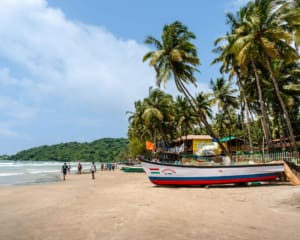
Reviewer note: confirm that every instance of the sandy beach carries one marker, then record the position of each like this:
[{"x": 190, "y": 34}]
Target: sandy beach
[{"x": 119, "y": 205}]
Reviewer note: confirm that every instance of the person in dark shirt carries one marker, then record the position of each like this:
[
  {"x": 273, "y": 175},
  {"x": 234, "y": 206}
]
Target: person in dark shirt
[
  {"x": 79, "y": 168},
  {"x": 64, "y": 170}
]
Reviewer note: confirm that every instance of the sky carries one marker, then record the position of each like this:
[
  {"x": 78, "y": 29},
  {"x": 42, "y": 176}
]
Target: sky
[{"x": 71, "y": 69}]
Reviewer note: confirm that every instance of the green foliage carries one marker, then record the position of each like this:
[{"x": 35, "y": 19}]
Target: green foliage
[
  {"x": 259, "y": 55},
  {"x": 136, "y": 147},
  {"x": 102, "y": 150}
]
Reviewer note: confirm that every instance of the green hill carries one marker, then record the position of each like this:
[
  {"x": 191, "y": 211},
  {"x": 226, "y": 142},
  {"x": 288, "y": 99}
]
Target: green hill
[{"x": 102, "y": 150}]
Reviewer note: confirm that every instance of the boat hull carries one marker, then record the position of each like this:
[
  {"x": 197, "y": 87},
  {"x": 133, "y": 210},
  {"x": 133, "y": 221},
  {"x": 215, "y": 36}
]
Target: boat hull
[
  {"x": 132, "y": 169},
  {"x": 165, "y": 174}
]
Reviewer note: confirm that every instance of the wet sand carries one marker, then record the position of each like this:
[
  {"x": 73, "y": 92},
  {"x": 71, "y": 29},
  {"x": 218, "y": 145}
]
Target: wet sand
[{"x": 119, "y": 205}]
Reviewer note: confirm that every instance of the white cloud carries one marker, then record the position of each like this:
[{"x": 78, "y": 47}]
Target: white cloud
[
  {"x": 62, "y": 80},
  {"x": 51, "y": 62},
  {"x": 76, "y": 61}
]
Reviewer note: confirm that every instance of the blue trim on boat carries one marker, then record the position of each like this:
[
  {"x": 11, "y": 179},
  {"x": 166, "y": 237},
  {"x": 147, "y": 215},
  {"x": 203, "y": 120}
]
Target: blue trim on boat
[
  {"x": 215, "y": 177},
  {"x": 156, "y": 164}
]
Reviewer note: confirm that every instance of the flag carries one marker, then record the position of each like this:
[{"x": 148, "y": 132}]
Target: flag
[{"x": 150, "y": 146}]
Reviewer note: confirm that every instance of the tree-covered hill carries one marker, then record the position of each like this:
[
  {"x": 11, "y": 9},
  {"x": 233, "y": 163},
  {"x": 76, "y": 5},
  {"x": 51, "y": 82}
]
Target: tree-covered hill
[{"x": 102, "y": 150}]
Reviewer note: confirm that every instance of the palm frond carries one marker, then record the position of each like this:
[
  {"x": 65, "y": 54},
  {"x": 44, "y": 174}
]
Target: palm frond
[{"x": 153, "y": 42}]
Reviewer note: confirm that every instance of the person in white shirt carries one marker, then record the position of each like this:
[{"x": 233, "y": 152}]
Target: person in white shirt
[{"x": 93, "y": 170}]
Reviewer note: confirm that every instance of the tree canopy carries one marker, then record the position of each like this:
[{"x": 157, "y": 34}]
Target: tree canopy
[{"x": 257, "y": 93}]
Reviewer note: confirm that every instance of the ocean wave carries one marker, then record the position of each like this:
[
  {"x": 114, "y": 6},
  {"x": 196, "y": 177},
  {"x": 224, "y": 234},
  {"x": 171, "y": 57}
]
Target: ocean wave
[
  {"x": 7, "y": 164},
  {"x": 43, "y": 164},
  {"x": 10, "y": 174},
  {"x": 42, "y": 171},
  {"x": 29, "y": 172}
]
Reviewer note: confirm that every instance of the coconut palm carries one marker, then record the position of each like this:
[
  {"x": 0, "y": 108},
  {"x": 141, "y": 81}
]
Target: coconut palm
[
  {"x": 176, "y": 57},
  {"x": 229, "y": 65},
  {"x": 223, "y": 96},
  {"x": 204, "y": 104},
  {"x": 288, "y": 76},
  {"x": 158, "y": 113},
  {"x": 137, "y": 128},
  {"x": 185, "y": 120},
  {"x": 264, "y": 34},
  {"x": 245, "y": 54},
  {"x": 153, "y": 117},
  {"x": 259, "y": 36}
]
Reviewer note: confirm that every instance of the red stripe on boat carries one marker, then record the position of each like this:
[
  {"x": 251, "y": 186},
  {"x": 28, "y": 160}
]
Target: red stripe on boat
[
  {"x": 154, "y": 169},
  {"x": 207, "y": 182}
]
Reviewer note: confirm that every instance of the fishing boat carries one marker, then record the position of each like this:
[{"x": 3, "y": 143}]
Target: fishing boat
[
  {"x": 132, "y": 169},
  {"x": 187, "y": 175}
]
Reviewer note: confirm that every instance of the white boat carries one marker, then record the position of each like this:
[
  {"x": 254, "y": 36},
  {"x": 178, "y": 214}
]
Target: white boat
[{"x": 182, "y": 175}]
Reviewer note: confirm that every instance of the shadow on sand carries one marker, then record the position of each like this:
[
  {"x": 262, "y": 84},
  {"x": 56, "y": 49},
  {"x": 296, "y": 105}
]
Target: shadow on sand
[{"x": 233, "y": 185}]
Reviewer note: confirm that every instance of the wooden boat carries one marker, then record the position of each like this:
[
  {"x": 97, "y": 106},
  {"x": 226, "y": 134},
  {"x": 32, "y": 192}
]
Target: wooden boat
[
  {"x": 182, "y": 175},
  {"x": 132, "y": 169}
]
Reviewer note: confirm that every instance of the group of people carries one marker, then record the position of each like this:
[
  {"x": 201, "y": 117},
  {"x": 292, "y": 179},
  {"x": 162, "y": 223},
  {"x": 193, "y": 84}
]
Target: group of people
[
  {"x": 67, "y": 168},
  {"x": 108, "y": 166}
]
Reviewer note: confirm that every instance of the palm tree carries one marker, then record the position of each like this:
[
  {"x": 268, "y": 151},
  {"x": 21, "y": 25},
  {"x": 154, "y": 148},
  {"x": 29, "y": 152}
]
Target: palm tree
[
  {"x": 223, "y": 96},
  {"x": 158, "y": 113},
  {"x": 176, "y": 57},
  {"x": 266, "y": 33},
  {"x": 289, "y": 86},
  {"x": 229, "y": 65},
  {"x": 245, "y": 54},
  {"x": 153, "y": 117},
  {"x": 204, "y": 104},
  {"x": 137, "y": 128},
  {"x": 184, "y": 118},
  {"x": 259, "y": 35}
]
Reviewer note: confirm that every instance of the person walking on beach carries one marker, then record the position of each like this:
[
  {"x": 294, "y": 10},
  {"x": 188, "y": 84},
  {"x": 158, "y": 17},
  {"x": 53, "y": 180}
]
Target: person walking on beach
[
  {"x": 79, "y": 167},
  {"x": 64, "y": 170},
  {"x": 93, "y": 170}
]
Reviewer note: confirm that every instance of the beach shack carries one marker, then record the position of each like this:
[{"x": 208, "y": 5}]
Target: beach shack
[
  {"x": 192, "y": 148},
  {"x": 234, "y": 144},
  {"x": 200, "y": 145},
  {"x": 197, "y": 148},
  {"x": 205, "y": 145},
  {"x": 188, "y": 147}
]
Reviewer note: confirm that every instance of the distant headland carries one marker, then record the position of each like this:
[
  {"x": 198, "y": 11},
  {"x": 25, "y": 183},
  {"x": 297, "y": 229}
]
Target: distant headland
[{"x": 101, "y": 150}]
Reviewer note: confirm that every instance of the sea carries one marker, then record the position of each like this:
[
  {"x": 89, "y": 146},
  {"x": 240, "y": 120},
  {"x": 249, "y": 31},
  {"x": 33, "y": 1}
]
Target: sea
[{"x": 32, "y": 172}]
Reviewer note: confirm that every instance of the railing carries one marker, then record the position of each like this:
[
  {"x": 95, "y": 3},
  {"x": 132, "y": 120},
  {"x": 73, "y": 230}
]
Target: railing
[{"x": 267, "y": 157}]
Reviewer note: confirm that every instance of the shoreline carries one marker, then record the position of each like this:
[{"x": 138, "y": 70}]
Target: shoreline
[
  {"x": 118, "y": 205},
  {"x": 33, "y": 172}
]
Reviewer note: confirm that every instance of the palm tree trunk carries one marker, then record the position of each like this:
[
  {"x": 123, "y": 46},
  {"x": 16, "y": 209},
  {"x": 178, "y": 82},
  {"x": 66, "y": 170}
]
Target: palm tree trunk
[
  {"x": 221, "y": 127},
  {"x": 155, "y": 138},
  {"x": 241, "y": 87},
  {"x": 162, "y": 132},
  {"x": 229, "y": 128},
  {"x": 282, "y": 104},
  {"x": 265, "y": 124},
  {"x": 281, "y": 131}
]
